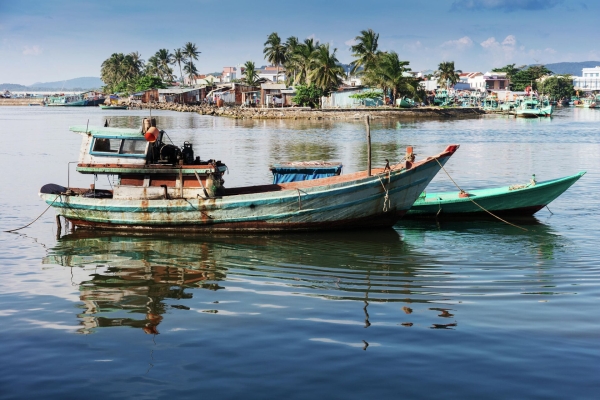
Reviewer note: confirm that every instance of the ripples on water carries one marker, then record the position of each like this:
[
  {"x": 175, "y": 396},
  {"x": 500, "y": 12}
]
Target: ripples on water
[{"x": 459, "y": 310}]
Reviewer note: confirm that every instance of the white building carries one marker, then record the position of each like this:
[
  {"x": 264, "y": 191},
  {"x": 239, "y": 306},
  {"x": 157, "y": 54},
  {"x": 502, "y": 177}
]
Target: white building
[{"x": 590, "y": 79}]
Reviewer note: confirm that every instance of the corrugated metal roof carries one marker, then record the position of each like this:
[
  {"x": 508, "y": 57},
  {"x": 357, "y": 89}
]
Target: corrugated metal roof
[
  {"x": 278, "y": 86},
  {"x": 175, "y": 90}
]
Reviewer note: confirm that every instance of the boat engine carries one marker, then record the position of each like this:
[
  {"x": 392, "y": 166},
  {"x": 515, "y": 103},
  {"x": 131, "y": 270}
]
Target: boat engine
[
  {"x": 187, "y": 153},
  {"x": 169, "y": 154}
]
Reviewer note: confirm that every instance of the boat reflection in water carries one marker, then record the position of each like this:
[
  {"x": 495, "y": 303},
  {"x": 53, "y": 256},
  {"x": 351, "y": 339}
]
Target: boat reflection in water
[{"x": 134, "y": 280}]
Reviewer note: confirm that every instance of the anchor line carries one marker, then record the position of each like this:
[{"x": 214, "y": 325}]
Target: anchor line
[
  {"x": 474, "y": 202},
  {"x": 39, "y": 216}
]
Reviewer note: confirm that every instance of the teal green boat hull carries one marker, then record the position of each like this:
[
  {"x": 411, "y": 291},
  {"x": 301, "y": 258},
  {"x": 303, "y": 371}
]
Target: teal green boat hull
[{"x": 503, "y": 201}]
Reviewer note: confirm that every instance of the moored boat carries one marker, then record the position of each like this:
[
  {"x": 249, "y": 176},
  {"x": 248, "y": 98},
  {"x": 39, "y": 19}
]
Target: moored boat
[
  {"x": 76, "y": 100},
  {"x": 530, "y": 107},
  {"x": 516, "y": 200},
  {"x": 161, "y": 186}
]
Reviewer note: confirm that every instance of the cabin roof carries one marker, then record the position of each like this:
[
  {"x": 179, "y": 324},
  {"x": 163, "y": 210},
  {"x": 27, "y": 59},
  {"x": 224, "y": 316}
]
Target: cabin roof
[{"x": 100, "y": 131}]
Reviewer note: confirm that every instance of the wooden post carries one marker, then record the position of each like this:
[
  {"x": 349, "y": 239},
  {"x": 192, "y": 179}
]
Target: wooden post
[{"x": 368, "y": 123}]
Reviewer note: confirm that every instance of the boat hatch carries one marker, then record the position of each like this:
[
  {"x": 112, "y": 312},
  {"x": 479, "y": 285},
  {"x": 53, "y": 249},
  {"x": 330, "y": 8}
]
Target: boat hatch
[{"x": 304, "y": 171}]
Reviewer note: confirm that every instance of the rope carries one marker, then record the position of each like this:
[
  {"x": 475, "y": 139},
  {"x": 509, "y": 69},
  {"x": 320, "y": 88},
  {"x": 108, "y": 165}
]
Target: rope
[
  {"x": 47, "y": 208},
  {"x": 386, "y": 198},
  {"x": 473, "y": 201}
]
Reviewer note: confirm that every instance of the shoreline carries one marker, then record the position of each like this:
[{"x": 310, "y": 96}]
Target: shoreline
[{"x": 237, "y": 112}]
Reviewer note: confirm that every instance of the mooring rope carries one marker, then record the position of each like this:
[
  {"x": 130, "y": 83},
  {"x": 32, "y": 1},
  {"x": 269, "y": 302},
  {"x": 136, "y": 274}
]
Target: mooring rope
[
  {"x": 474, "y": 202},
  {"x": 386, "y": 198},
  {"x": 47, "y": 208}
]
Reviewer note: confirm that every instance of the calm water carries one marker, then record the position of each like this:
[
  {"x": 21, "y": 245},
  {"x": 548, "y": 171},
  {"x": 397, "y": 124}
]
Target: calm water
[{"x": 455, "y": 310}]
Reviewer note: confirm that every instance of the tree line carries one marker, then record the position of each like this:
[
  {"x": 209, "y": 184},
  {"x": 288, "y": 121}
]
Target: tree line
[
  {"x": 130, "y": 73},
  {"x": 314, "y": 69}
]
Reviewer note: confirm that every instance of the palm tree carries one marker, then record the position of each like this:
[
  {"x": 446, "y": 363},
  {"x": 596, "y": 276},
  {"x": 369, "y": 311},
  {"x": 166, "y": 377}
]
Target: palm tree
[
  {"x": 136, "y": 62},
  {"x": 303, "y": 60},
  {"x": 326, "y": 73},
  {"x": 446, "y": 74},
  {"x": 152, "y": 66},
  {"x": 191, "y": 52},
  {"x": 274, "y": 51},
  {"x": 290, "y": 45},
  {"x": 365, "y": 50},
  {"x": 178, "y": 57},
  {"x": 251, "y": 74},
  {"x": 110, "y": 71},
  {"x": 190, "y": 70},
  {"x": 164, "y": 59},
  {"x": 392, "y": 73}
]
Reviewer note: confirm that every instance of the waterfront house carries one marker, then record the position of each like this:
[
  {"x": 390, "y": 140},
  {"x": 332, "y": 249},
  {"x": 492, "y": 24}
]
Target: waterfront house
[
  {"x": 146, "y": 96},
  {"x": 429, "y": 84},
  {"x": 342, "y": 98},
  {"x": 180, "y": 95},
  {"x": 270, "y": 94},
  {"x": 490, "y": 81},
  {"x": 234, "y": 93},
  {"x": 272, "y": 74},
  {"x": 589, "y": 79}
]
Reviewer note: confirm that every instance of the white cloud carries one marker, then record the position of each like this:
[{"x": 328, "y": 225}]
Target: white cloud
[
  {"x": 510, "y": 40},
  {"x": 350, "y": 42},
  {"x": 501, "y": 52},
  {"x": 460, "y": 44},
  {"x": 489, "y": 43},
  {"x": 32, "y": 51}
]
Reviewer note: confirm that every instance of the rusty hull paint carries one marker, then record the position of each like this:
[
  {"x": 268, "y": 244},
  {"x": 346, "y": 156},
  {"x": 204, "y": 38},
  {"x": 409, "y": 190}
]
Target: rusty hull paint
[{"x": 343, "y": 202}]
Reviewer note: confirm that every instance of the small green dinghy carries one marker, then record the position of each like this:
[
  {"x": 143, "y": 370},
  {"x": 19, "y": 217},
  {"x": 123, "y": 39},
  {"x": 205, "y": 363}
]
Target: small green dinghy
[{"x": 516, "y": 200}]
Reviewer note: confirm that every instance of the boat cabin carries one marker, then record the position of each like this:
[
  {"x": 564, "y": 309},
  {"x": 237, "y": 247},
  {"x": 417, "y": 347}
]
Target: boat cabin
[{"x": 145, "y": 166}]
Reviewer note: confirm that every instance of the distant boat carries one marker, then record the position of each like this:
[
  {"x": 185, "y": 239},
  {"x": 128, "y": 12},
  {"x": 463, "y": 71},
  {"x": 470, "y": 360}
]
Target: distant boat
[
  {"x": 516, "y": 200},
  {"x": 405, "y": 102},
  {"x": 76, "y": 100},
  {"x": 530, "y": 108},
  {"x": 111, "y": 107},
  {"x": 588, "y": 102}
]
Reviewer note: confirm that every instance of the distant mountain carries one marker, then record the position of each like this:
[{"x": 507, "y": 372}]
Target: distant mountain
[
  {"x": 12, "y": 87},
  {"x": 573, "y": 68},
  {"x": 70, "y": 84}
]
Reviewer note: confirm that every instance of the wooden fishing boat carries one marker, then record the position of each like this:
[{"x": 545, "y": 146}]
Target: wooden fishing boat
[
  {"x": 516, "y": 200},
  {"x": 112, "y": 107},
  {"x": 531, "y": 108},
  {"x": 161, "y": 186}
]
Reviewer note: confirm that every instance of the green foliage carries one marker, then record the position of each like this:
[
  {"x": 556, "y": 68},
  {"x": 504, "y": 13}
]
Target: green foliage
[
  {"x": 365, "y": 51},
  {"x": 308, "y": 96},
  {"x": 368, "y": 95},
  {"x": 446, "y": 74},
  {"x": 510, "y": 70},
  {"x": 251, "y": 74},
  {"x": 557, "y": 87},
  {"x": 149, "y": 82},
  {"x": 527, "y": 77}
]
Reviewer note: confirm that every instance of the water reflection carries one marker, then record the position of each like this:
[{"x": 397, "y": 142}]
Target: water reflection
[
  {"x": 135, "y": 280},
  {"x": 134, "y": 276},
  {"x": 537, "y": 238}
]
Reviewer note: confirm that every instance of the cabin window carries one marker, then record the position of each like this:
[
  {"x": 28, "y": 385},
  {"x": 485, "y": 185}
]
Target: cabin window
[
  {"x": 107, "y": 145},
  {"x": 134, "y": 147}
]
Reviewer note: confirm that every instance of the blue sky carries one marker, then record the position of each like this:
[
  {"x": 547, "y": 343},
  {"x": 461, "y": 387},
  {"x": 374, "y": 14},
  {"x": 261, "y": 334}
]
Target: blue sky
[{"x": 42, "y": 40}]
